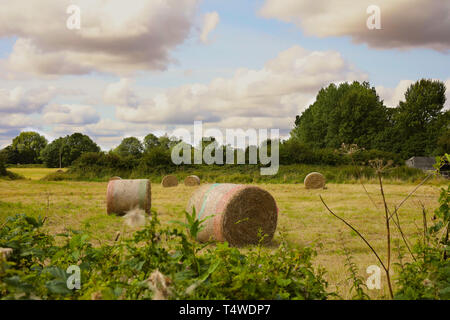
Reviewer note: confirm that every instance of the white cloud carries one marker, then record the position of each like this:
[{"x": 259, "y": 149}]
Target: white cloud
[
  {"x": 11, "y": 124},
  {"x": 210, "y": 22},
  {"x": 14, "y": 121},
  {"x": 392, "y": 96},
  {"x": 270, "y": 96},
  {"x": 70, "y": 115},
  {"x": 19, "y": 100},
  {"x": 447, "y": 94},
  {"x": 115, "y": 36},
  {"x": 120, "y": 94},
  {"x": 404, "y": 23}
]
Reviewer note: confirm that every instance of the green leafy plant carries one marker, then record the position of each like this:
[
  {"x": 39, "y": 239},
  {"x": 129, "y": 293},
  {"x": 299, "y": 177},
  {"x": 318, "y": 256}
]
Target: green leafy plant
[
  {"x": 129, "y": 268},
  {"x": 428, "y": 277}
]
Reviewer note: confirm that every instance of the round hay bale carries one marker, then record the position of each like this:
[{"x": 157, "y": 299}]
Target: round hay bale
[
  {"x": 192, "y": 181},
  {"x": 314, "y": 180},
  {"x": 59, "y": 171},
  {"x": 238, "y": 213},
  {"x": 125, "y": 195},
  {"x": 169, "y": 181},
  {"x": 115, "y": 178}
]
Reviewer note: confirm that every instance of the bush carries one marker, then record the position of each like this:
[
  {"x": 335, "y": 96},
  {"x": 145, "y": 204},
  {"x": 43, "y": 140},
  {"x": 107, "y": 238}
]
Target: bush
[
  {"x": 99, "y": 164},
  {"x": 124, "y": 269},
  {"x": 2, "y": 166},
  {"x": 428, "y": 277},
  {"x": 6, "y": 173}
]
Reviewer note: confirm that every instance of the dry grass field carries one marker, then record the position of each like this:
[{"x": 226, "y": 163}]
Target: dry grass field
[
  {"x": 34, "y": 173},
  {"x": 303, "y": 220}
]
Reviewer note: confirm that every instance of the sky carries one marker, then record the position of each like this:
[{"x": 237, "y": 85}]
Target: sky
[{"x": 160, "y": 65}]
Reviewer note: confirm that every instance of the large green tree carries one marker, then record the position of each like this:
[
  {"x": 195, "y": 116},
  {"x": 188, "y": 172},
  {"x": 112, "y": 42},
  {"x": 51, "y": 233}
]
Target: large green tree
[
  {"x": 150, "y": 141},
  {"x": 419, "y": 121},
  {"x": 168, "y": 142},
  {"x": 52, "y": 154},
  {"x": 9, "y": 155},
  {"x": 64, "y": 151},
  {"x": 348, "y": 113},
  {"x": 130, "y": 146},
  {"x": 28, "y": 146}
]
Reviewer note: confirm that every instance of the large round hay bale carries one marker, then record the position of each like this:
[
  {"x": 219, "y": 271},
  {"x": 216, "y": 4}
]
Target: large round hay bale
[
  {"x": 192, "y": 181},
  {"x": 314, "y": 180},
  {"x": 169, "y": 181},
  {"x": 238, "y": 213},
  {"x": 115, "y": 178},
  {"x": 125, "y": 195}
]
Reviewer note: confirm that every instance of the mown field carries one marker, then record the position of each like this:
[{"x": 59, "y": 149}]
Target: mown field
[
  {"x": 34, "y": 173},
  {"x": 303, "y": 220}
]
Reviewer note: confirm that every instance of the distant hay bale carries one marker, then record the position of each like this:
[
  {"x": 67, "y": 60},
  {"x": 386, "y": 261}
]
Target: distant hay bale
[
  {"x": 314, "y": 180},
  {"x": 115, "y": 178},
  {"x": 60, "y": 171},
  {"x": 169, "y": 181},
  {"x": 238, "y": 213},
  {"x": 125, "y": 195},
  {"x": 192, "y": 181}
]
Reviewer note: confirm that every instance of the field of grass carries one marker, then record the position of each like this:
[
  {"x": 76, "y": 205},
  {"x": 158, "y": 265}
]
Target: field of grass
[
  {"x": 303, "y": 220},
  {"x": 34, "y": 173}
]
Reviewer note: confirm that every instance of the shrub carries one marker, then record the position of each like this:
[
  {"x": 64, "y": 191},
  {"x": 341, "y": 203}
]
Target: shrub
[
  {"x": 428, "y": 277},
  {"x": 124, "y": 269},
  {"x": 6, "y": 173}
]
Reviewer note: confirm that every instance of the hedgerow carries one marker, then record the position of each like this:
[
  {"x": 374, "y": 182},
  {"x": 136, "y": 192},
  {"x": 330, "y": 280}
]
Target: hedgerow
[{"x": 154, "y": 263}]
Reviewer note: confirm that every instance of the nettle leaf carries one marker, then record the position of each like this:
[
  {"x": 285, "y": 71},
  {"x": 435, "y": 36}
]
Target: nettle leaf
[
  {"x": 58, "y": 287},
  {"x": 57, "y": 272},
  {"x": 76, "y": 254},
  {"x": 18, "y": 284}
]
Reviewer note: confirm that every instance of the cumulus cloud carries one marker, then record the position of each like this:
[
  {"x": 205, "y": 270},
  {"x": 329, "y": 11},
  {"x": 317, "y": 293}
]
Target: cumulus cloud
[
  {"x": 120, "y": 94},
  {"x": 270, "y": 96},
  {"x": 114, "y": 37},
  {"x": 14, "y": 121},
  {"x": 210, "y": 22},
  {"x": 107, "y": 128},
  {"x": 447, "y": 94},
  {"x": 19, "y": 100},
  {"x": 404, "y": 23},
  {"x": 70, "y": 114},
  {"x": 11, "y": 124},
  {"x": 392, "y": 96}
]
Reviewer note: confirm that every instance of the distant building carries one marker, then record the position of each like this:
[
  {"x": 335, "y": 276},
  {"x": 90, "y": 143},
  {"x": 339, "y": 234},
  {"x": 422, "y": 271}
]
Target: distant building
[{"x": 423, "y": 163}]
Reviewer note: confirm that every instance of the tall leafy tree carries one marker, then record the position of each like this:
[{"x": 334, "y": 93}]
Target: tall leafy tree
[
  {"x": 419, "y": 120},
  {"x": 9, "y": 155},
  {"x": 130, "y": 146},
  {"x": 348, "y": 113},
  {"x": 168, "y": 142},
  {"x": 77, "y": 144},
  {"x": 2, "y": 163},
  {"x": 64, "y": 151},
  {"x": 150, "y": 141},
  {"x": 52, "y": 155},
  {"x": 28, "y": 146}
]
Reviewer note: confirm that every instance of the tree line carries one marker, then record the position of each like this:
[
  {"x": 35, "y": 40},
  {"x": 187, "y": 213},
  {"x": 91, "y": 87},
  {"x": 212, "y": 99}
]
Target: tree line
[
  {"x": 355, "y": 114},
  {"x": 33, "y": 148},
  {"x": 350, "y": 113}
]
